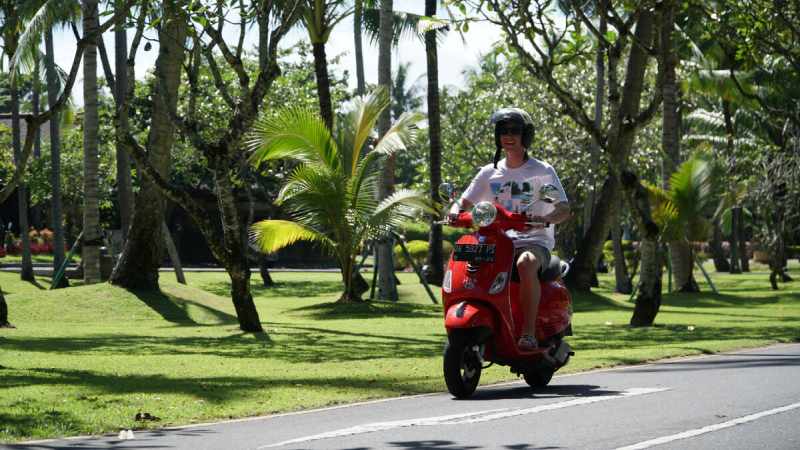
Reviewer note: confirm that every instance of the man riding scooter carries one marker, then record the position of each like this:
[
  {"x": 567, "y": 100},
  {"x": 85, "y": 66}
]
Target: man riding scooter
[{"x": 513, "y": 183}]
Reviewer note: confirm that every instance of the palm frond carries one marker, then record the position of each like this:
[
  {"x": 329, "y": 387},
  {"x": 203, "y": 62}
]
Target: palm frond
[
  {"x": 362, "y": 121},
  {"x": 293, "y": 133},
  {"x": 403, "y": 132},
  {"x": 402, "y": 205},
  {"x": 404, "y": 24},
  {"x": 49, "y": 14},
  {"x": 269, "y": 236}
]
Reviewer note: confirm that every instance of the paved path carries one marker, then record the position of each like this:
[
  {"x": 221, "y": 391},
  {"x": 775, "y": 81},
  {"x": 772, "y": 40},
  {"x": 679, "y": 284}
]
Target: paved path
[{"x": 740, "y": 400}]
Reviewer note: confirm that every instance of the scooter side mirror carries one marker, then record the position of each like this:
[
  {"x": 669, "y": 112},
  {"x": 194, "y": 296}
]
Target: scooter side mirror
[
  {"x": 447, "y": 190},
  {"x": 548, "y": 193}
]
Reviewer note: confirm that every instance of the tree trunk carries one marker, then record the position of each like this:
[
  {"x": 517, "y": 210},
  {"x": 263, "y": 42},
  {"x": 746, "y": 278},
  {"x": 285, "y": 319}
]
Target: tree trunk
[
  {"x": 734, "y": 241},
  {"x": 717, "y": 253},
  {"x": 744, "y": 257},
  {"x": 92, "y": 238},
  {"x": 599, "y": 100},
  {"x": 263, "y": 268},
  {"x": 234, "y": 256},
  {"x": 143, "y": 253},
  {"x": 26, "y": 271},
  {"x": 620, "y": 141},
  {"x": 358, "y": 16},
  {"x": 435, "y": 271},
  {"x": 323, "y": 84},
  {"x": 4, "y": 323},
  {"x": 590, "y": 245},
  {"x": 172, "y": 251},
  {"x": 36, "y": 210},
  {"x": 57, "y": 221},
  {"x": 623, "y": 280},
  {"x": 387, "y": 290},
  {"x": 648, "y": 300},
  {"x": 682, "y": 258},
  {"x": 124, "y": 189}
]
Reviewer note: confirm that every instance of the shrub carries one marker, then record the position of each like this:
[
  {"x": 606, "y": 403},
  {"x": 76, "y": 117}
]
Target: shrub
[
  {"x": 418, "y": 249},
  {"x": 629, "y": 248},
  {"x": 419, "y": 231}
]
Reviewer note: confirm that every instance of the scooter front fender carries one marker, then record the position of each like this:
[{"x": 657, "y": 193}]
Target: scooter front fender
[{"x": 467, "y": 314}]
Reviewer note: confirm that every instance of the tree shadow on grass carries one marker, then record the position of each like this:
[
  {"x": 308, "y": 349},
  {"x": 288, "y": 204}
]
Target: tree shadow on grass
[
  {"x": 299, "y": 289},
  {"x": 624, "y": 338},
  {"x": 711, "y": 300},
  {"x": 369, "y": 310},
  {"x": 175, "y": 309},
  {"x": 593, "y": 302},
  {"x": 286, "y": 343}
]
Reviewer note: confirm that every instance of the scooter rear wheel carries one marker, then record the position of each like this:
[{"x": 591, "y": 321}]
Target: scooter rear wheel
[
  {"x": 539, "y": 377},
  {"x": 462, "y": 368}
]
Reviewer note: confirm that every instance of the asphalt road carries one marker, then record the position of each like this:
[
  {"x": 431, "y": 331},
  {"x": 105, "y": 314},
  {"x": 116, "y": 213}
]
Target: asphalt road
[{"x": 740, "y": 400}]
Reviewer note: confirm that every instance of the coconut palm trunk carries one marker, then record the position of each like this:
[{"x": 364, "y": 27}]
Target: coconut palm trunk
[
  {"x": 727, "y": 114},
  {"x": 92, "y": 239},
  {"x": 124, "y": 190},
  {"x": 358, "y": 19},
  {"x": 36, "y": 210},
  {"x": 435, "y": 265},
  {"x": 55, "y": 159},
  {"x": 26, "y": 272},
  {"x": 143, "y": 252},
  {"x": 323, "y": 83},
  {"x": 387, "y": 289}
]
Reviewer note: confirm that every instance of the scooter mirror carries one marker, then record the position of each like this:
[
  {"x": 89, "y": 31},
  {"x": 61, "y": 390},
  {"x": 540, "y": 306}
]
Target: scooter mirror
[
  {"x": 447, "y": 190},
  {"x": 548, "y": 193}
]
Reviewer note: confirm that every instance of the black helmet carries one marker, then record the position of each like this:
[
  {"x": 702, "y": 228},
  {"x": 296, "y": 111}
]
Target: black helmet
[{"x": 515, "y": 116}]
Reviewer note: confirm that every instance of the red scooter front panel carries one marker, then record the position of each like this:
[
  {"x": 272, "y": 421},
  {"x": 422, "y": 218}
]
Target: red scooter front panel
[{"x": 474, "y": 285}]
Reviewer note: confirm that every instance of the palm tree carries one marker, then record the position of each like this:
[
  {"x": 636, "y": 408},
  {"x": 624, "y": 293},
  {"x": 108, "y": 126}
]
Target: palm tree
[
  {"x": 681, "y": 212},
  {"x": 124, "y": 189},
  {"x": 435, "y": 254},
  {"x": 319, "y": 18},
  {"x": 11, "y": 16},
  {"x": 358, "y": 14},
  {"x": 92, "y": 238},
  {"x": 331, "y": 196}
]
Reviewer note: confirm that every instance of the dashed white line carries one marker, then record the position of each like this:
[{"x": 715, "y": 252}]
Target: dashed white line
[
  {"x": 709, "y": 428},
  {"x": 470, "y": 417}
]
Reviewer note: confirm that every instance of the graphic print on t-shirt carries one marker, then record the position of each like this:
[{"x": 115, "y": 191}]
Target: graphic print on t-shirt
[{"x": 513, "y": 196}]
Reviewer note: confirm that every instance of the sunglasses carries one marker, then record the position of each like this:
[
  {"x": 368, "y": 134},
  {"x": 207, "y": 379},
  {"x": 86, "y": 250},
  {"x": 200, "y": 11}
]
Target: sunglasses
[{"x": 513, "y": 130}]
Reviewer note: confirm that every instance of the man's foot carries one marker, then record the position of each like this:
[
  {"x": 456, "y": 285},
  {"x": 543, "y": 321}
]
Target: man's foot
[{"x": 527, "y": 343}]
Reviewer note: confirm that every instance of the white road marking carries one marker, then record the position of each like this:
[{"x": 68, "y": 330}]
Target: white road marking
[
  {"x": 710, "y": 428},
  {"x": 456, "y": 419}
]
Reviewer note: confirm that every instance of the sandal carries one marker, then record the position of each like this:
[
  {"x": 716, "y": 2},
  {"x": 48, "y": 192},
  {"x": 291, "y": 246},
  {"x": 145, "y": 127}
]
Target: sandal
[{"x": 527, "y": 343}]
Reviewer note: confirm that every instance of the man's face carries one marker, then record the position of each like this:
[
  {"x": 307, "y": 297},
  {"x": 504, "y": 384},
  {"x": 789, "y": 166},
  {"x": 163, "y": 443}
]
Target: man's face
[{"x": 511, "y": 137}]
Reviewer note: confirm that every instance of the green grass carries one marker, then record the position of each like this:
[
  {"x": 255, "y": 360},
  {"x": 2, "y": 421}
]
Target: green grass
[{"x": 85, "y": 360}]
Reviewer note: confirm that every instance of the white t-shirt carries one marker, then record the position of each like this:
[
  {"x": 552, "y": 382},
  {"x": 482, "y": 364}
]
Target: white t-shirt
[{"x": 517, "y": 191}]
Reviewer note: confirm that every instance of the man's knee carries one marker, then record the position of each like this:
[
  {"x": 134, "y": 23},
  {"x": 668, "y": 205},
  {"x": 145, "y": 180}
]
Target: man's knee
[{"x": 528, "y": 264}]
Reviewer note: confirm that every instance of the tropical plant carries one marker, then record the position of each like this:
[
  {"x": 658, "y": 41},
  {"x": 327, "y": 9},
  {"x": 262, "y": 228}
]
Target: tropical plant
[
  {"x": 682, "y": 214},
  {"x": 331, "y": 196}
]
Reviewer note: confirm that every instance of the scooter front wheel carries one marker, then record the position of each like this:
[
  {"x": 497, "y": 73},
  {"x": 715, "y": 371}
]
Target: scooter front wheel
[{"x": 462, "y": 368}]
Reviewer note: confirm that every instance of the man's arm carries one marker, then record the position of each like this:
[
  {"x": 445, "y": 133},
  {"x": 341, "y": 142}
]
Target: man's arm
[{"x": 561, "y": 213}]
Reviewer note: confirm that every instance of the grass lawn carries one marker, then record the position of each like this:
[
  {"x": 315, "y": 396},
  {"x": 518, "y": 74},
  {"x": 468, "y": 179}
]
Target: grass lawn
[{"x": 87, "y": 359}]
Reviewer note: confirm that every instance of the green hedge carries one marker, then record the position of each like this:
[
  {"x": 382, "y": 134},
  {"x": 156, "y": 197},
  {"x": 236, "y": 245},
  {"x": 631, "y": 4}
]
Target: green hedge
[
  {"x": 418, "y": 250},
  {"x": 419, "y": 231}
]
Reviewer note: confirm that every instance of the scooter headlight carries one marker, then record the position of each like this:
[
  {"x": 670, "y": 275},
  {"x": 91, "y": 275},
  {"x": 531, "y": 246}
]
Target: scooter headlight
[
  {"x": 499, "y": 283},
  {"x": 483, "y": 214},
  {"x": 447, "y": 283}
]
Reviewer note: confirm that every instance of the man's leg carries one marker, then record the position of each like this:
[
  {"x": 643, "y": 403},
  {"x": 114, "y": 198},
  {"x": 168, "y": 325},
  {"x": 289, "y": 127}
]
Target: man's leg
[{"x": 530, "y": 292}]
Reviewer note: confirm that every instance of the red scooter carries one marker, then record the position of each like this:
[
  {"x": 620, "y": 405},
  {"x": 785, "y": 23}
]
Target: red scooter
[{"x": 483, "y": 315}]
